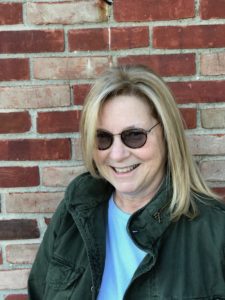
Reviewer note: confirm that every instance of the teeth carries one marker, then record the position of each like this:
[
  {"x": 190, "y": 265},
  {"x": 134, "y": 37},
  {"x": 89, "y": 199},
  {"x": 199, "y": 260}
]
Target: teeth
[{"x": 126, "y": 169}]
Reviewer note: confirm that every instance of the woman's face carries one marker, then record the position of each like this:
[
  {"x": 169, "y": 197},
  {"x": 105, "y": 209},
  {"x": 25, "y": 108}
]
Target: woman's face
[{"x": 133, "y": 172}]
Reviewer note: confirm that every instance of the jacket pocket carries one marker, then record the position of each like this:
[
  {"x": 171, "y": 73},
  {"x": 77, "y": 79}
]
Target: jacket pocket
[{"x": 61, "y": 279}]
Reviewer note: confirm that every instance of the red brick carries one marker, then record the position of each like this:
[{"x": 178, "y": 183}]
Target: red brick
[
  {"x": 149, "y": 10},
  {"x": 88, "y": 39},
  {"x": 19, "y": 229},
  {"x": 129, "y": 37},
  {"x": 189, "y": 116},
  {"x": 164, "y": 65},
  {"x": 17, "y": 297},
  {"x": 210, "y": 9},
  {"x": 58, "y": 121},
  {"x": 30, "y": 149},
  {"x": 47, "y": 221},
  {"x": 19, "y": 177},
  {"x": 198, "y": 91},
  {"x": 220, "y": 191},
  {"x": 11, "y": 13},
  {"x": 31, "y": 41},
  {"x": 80, "y": 92},
  {"x": 15, "y": 122},
  {"x": 14, "y": 69},
  {"x": 188, "y": 37}
]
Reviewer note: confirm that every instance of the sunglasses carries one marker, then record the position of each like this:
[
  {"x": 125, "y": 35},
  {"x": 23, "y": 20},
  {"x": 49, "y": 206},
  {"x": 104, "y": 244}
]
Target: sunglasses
[{"x": 132, "y": 138}]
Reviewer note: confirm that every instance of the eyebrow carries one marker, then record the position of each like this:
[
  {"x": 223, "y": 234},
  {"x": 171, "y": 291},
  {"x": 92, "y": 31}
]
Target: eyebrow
[{"x": 124, "y": 129}]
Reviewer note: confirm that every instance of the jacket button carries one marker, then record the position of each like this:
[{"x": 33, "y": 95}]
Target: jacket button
[{"x": 92, "y": 289}]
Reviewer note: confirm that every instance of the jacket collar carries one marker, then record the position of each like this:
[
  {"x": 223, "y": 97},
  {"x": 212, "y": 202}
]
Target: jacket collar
[
  {"x": 87, "y": 192},
  {"x": 145, "y": 225},
  {"x": 148, "y": 224},
  {"x": 87, "y": 202}
]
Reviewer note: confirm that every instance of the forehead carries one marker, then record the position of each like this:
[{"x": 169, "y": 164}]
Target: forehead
[{"x": 125, "y": 111}]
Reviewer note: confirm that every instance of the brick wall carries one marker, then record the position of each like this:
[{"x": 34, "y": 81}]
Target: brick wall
[{"x": 50, "y": 52}]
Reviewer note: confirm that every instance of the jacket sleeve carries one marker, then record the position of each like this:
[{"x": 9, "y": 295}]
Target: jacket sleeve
[{"x": 37, "y": 277}]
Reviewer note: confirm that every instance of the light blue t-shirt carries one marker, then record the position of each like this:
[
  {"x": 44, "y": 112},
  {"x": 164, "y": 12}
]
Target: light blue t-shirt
[{"x": 122, "y": 256}]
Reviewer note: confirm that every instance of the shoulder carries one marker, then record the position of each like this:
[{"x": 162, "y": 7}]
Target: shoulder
[
  {"x": 211, "y": 217},
  {"x": 84, "y": 187},
  {"x": 211, "y": 206}
]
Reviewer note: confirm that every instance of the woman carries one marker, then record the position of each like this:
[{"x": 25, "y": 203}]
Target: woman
[{"x": 142, "y": 224}]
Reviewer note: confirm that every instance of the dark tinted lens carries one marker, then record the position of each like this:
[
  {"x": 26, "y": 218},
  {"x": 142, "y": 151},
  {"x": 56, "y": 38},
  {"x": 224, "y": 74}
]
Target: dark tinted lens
[
  {"x": 104, "y": 139},
  {"x": 134, "y": 138}
]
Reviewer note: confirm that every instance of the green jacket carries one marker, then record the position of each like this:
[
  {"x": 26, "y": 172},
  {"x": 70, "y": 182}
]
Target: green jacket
[{"x": 185, "y": 259}]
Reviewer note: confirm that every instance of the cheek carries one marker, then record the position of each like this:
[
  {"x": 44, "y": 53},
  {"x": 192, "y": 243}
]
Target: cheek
[
  {"x": 99, "y": 157},
  {"x": 154, "y": 152}
]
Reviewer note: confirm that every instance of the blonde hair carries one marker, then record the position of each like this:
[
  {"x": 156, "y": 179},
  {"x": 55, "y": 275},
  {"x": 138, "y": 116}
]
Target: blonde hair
[{"x": 141, "y": 82}]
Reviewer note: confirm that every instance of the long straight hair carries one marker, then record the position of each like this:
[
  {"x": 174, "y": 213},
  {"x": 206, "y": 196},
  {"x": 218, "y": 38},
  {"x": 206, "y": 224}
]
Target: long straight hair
[{"x": 142, "y": 82}]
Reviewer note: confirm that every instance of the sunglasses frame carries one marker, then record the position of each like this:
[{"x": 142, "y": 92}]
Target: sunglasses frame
[{"x": 111, "y": 135}]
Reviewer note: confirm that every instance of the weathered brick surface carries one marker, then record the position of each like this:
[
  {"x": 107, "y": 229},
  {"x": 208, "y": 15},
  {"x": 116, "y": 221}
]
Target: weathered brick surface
[
  {"x": 66, "y": 12},
  {"x": 149, "y": 10},
  {"x": 80, "y": 91},
  {"x": 69, "y": 67},
  {"x": 14, "y": 68},
  {"x": 213, "y": 118},
  {"x": 31, "y": 41},
  {"x": 47, "y": 221},
  {"x": 13, "y": 279},
  {"x": 198, "y": 91},
  {"x": 21, "y": 253},
  {"x": 50, "y": 54},
  {"x": 213, "y": 63},
  {"x": 35, "y": 96},
  {"x": 188, "y": 37},
  {"x": 77, "y": 149},
  {"x": 164, "y": 65},
  {"x": 29, "y": 149},
  {"x": 89, "y": 39},
  {"x": 1, "y": 259},
  {"x": 210, "y": 9},
  {"x": 19, "y": 177},
  {"x": 213, "y": 170},
  {"x": 17, "y": 297},
  {"x": 11, "y": 13},
  {"x": 189, "y": 116},
  {"x": 58, "y": 121},
  {"x": 207, "y": 144},
  {"x": 18, "y": 229},
  {"x": 60, "y": 176},
  {"x": 38, "y": 202},
  {"x": 15, "y": 122},
  {"x": 129, "y": 37},
  {"x": 220, "y": 191}
]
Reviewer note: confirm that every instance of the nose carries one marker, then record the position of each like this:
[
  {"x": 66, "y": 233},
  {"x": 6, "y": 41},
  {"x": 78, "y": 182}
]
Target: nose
[{"x": 118, "y": 151}]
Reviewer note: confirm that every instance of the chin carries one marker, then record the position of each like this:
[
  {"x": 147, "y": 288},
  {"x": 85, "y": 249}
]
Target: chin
[{"x": 124, "y": 189}]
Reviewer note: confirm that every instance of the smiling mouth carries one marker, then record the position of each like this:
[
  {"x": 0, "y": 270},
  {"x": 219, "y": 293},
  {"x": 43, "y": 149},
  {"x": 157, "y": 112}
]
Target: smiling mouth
[{"x": 125, "y": 169}]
